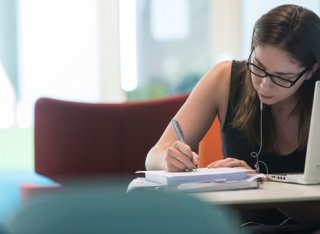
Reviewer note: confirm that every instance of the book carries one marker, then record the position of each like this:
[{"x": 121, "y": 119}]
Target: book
[
  {"x": 199, "y": 175},
  {"x": 251, "y": 182},
  {"x": 214, "y": 186}
]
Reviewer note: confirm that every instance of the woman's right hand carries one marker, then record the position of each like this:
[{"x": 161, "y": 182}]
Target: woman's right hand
[{"x": 180, "y": 157}]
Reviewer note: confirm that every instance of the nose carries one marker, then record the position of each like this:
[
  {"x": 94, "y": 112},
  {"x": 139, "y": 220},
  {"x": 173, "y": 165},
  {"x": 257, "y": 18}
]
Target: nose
[{"x": 266, "y": 83}]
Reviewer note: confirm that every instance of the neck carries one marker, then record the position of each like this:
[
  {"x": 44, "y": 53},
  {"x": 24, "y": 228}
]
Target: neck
[{"x": 284, "y": 108}]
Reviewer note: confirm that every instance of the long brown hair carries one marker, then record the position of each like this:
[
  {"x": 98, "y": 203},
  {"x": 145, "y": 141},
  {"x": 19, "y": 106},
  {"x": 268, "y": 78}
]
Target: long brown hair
[{"x": 296, "y": 30}]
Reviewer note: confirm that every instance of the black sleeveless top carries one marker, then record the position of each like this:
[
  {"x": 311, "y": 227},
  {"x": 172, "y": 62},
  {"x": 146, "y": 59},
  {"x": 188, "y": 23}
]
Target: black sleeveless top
[{"x": 236, "y": 145}]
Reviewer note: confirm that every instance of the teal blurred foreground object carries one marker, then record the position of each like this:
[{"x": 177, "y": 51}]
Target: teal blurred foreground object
[
  {"x": 93, "y": 210},
  {"x": 11, "y": 182}
]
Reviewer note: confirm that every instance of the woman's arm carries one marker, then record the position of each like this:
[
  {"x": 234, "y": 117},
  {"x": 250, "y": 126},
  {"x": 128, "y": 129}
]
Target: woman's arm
[{"x": 208, "y": 99}]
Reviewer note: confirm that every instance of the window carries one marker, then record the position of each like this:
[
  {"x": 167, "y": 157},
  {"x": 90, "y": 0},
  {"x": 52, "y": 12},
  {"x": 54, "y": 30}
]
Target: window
[
  {"x": 172, "y": 46},
  {"x": 58, "y": 56},
  {"x": 79, "y": 49}
]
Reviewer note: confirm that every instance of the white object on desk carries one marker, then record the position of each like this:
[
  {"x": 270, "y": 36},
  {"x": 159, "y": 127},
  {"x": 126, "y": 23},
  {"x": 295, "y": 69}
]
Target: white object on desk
[
  {"x": 199, "y": 175},
  {"x": 141, "y": 183},
  {"x": 249, "y": 183},
  {"x": 214, "y": 186},
  {"x": 311, "y": 173}
]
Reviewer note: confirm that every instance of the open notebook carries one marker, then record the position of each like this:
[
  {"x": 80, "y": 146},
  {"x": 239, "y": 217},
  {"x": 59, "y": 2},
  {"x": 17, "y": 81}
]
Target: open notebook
[{"x": 311, "y": 173}]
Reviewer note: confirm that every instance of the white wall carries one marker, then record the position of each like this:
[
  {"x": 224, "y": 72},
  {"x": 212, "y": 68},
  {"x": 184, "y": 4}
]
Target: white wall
[
  {"x": 225, "y": 30},
  {"x": 109, "y": 54}
]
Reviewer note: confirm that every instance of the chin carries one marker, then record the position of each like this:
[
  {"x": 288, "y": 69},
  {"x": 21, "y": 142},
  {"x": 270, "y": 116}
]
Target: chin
[{"x": 268, "y": 102}]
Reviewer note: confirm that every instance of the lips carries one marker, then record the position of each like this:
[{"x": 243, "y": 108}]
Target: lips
[{"x": 265, "y": 96}]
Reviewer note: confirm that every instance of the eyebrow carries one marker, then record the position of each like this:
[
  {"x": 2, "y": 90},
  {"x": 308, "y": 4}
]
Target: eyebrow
[{"x": 277, "y": 73}]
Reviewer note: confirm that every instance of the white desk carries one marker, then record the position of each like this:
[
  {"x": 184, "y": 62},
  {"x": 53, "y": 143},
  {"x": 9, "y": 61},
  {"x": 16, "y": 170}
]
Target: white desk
[{"x": 269, "y": 195}]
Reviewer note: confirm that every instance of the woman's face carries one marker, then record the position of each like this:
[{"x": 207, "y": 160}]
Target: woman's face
[{"x": 276, "y": 62}]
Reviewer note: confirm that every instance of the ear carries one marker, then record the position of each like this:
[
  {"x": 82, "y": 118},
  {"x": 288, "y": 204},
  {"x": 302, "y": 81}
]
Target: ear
[{"x": 313, "y": 69}]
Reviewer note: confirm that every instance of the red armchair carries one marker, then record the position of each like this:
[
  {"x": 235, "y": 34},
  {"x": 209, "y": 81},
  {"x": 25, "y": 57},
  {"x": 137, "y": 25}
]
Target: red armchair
[{"x": 77, "y": 139}]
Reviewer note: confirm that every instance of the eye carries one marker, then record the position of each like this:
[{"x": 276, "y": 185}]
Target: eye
[{"x": 288, "y": 77}]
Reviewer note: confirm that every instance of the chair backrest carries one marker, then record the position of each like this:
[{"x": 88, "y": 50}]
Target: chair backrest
[
  {"x": 210, "y": 147},
  {"x": 81, "y": 139}
]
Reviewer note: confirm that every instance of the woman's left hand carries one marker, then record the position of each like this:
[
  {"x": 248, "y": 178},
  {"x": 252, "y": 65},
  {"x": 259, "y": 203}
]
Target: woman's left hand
[{"x": 229, "y": 162}]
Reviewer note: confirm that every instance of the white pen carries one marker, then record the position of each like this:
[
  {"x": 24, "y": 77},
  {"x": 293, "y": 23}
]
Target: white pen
[{"x": 180, "y": 134}]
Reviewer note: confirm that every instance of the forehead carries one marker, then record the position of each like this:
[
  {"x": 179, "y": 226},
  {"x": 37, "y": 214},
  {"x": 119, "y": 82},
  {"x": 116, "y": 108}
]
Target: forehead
[{"x": 276, "y": 59}]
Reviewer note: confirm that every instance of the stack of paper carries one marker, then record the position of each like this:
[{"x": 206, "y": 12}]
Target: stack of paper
[
  {"x": 196, "y": 176},
  {"x": 252, "y": 181}
]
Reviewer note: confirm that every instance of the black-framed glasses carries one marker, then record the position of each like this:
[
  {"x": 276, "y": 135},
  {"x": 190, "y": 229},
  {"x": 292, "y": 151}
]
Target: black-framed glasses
[{"x": 278, "y": 80}]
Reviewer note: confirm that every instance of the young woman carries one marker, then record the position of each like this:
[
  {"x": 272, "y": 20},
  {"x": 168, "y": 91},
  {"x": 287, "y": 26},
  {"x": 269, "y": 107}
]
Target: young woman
[{"x": 263, "y": 104}]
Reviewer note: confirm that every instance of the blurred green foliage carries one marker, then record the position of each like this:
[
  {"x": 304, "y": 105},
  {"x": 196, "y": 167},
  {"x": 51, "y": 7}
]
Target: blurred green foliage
[
  {"x": 161, "y": 89},
  {"x": 147, "y": 92}
]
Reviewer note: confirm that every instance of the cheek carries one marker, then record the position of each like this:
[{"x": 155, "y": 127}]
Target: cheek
[
  {"x": 255, "y": 81},
  {"x": 286, "y": 94},
  {"x": 293, "y": 90}
]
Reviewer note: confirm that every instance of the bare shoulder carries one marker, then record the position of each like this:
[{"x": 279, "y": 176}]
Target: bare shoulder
[
  {"x": 208, "y": 99},
  {"x": 219, "y": 74},
  {"x": 214, "y": 86},
  {"x": 217, "y": 79}
]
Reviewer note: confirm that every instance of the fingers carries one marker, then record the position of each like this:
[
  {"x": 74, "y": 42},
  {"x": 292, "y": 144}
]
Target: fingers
[
  {"x": 229, "y": 162},
  {"x": 180, "y": 157},
  {"x": 195, "y": 158}
]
